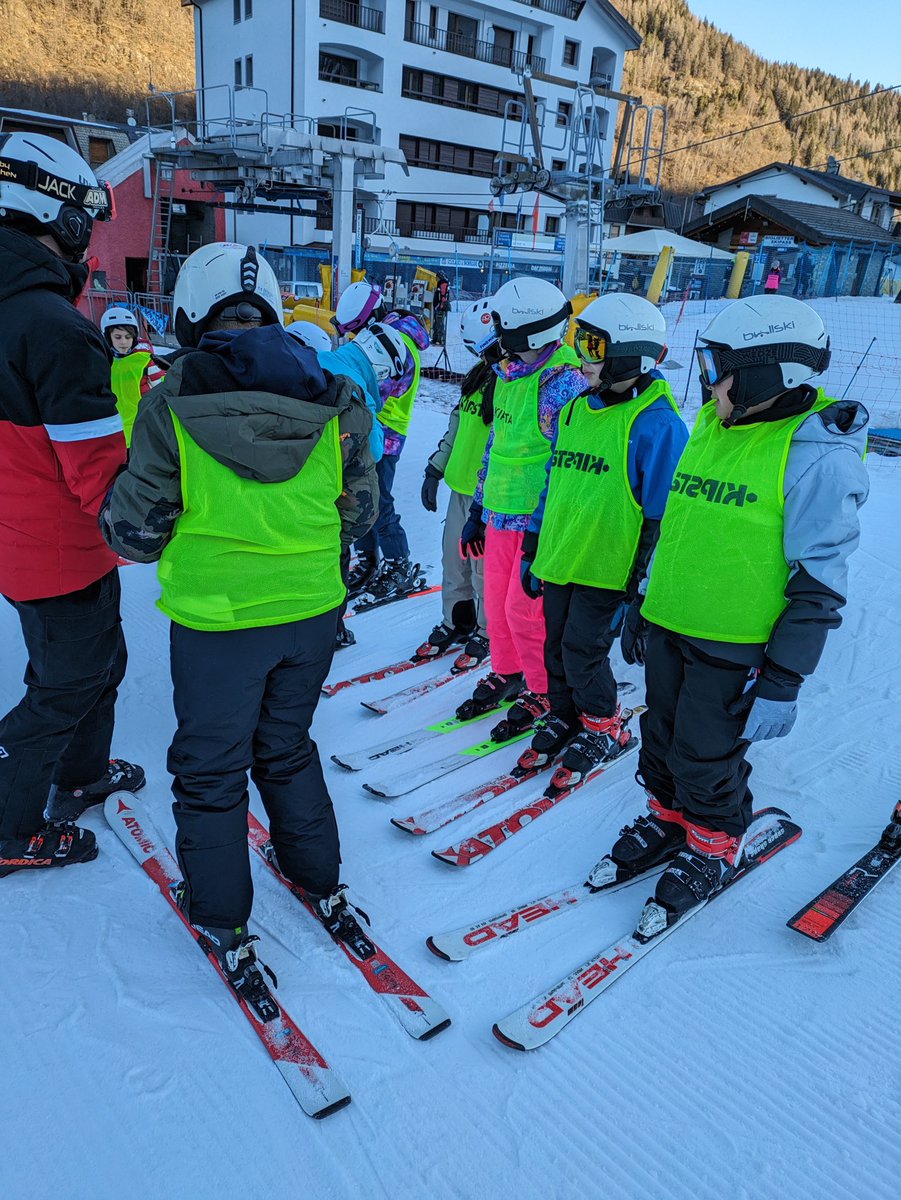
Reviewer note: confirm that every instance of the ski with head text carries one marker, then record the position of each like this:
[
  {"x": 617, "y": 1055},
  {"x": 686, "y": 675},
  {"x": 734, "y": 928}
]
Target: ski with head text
[
  {"x": 542, "y": 1018},
  {"x": 391, "y": 786},
  {"x": 417, "y": 690},
  {"x": 820, "y": 918},
  {"x": 402, "y": 743},
  {"x": 315, "y": 1085},
  {"x": 472, "y": 849},
  {"x": 420, "y": 1015}
]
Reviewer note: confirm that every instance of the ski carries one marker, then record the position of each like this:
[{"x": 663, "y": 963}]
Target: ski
[
  {"x": 542, "y": 1018},
  {"x": 472, "y": 849},
  {"x": 366, "y": 601},
  {"x": 820, "y": 918},
  {"x": 315, "y": 1085},
  {"x": 458, "y": 944},
  {"x": 417, "y": 690},
  {"x": 408, "y": 781},
  {"x": 419, "y": 1015},
  {"x": 398, "y": 668},
  {"x": 404, "y": 742}
]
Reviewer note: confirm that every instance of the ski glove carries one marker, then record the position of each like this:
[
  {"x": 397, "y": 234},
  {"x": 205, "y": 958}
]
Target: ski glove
[
  {"x": 472, "y": 539},
  {"x": 429, "y": 493},
  {"x": 633, "y": 637},
  {"x": 531, "y": 584},
  {"x": 769, "y": 719}
]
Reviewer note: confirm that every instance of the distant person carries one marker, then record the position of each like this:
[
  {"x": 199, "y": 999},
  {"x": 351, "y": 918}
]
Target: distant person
[
  {"x": 61, "y": 446},
  {"x": 773, "y": 279},
  {"x": 135, "y": 369},
  {"x": 441, "y": 304},
  {"x": 249, "y": 468},
  {"x": 803, "y": 275}
]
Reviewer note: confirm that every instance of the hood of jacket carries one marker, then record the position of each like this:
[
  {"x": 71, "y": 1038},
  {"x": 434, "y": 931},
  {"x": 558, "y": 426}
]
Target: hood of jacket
[
  {"x": 249, "y": 413},
  {"x": 26, "y": 263},
  {"x": 350, "y": 360},
  {"x": 845, "y": 421}
]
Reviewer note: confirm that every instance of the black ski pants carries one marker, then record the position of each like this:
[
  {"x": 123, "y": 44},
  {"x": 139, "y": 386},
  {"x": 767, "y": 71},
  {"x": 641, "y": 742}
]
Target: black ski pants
[
  {"x": 61, "y": 730},
  {"x": 692, "y": 755},
  {"x": 244, "y": 701},
  {"x": 577, "y": 622}
]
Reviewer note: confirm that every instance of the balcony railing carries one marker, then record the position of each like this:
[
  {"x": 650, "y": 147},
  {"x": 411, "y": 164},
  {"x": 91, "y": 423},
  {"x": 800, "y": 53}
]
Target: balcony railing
[
  {"x": 349, "y": 81},
  {"x": 560, "y": 8},
  {"x": 350, "y": 13},
  {"x": 441, "y": 233},
  {"x": 378, "y": 225},
  {"x": 468, "y": 47}
]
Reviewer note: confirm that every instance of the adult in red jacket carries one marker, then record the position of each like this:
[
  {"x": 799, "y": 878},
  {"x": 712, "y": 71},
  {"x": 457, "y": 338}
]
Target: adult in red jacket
[{"x": 61, "y": 446}]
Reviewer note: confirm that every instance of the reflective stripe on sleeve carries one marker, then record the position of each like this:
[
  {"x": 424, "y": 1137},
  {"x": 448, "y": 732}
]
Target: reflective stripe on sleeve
[{"x": 83, "y": 431}]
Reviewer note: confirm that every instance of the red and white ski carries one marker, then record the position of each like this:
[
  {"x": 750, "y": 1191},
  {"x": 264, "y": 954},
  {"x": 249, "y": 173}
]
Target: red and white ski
[
  {"x": 420, "y": 1015},
  {"x": 417, "y": 690},
  {"x": 451, "y": 810},
  {"x": 315, "y": 1085},
  {"x": 398, "y": 668}
]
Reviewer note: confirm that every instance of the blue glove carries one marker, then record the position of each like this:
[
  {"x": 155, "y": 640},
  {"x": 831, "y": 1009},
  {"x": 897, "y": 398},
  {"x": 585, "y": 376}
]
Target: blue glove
[
  {"x": 531, "y": 584},
  {"x": 472, "y": 539},
  {"x": 769, "y": 719},
  {"x": 633, "y": 637}
]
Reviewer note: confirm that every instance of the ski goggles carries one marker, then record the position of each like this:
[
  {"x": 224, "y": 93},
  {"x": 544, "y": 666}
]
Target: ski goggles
[
  {"x": 243, "y": 312},
  {"x": 591, "y": 345},
  {"x": 716, "y": 362}
]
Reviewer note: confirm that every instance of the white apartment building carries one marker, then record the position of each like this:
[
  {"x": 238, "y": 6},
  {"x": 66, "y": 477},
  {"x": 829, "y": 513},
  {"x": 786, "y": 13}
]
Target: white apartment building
[{"x": 435, "y": 81}]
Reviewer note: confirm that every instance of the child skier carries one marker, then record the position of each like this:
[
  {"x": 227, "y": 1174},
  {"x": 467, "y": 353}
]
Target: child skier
[
  {"x": 593, "y": 532},
  {"x": 538, "y": 375},
  {"x": 135, "y": 370},
  {"x": 747, "y": 578},
  {"x": 248, "y": 469},
  {"x": 457, "y": 461}
]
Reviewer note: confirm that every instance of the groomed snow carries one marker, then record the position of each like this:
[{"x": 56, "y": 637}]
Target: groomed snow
[{"x": 739, "y": 1061}]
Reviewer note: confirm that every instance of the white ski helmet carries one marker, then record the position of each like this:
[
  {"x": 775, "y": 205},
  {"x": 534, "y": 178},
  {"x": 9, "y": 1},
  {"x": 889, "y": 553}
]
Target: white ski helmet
[
  {"x": 310, "y": 335},
  {"x": 115, "y": 316},
  {"x": 768, "y": 343},
  {"x": 47, "y": 187},
  {"x": 385, "y": 349},
  {"x": 627, "y": 333},
  {"x": 529, "y": 313},
  {"x": 477, "y": 326},
  {"x": 223, "y": 275},
  {"x": 359, "y": 304}
]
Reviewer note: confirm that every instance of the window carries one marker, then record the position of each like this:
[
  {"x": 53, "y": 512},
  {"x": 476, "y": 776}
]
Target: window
[
  {"x": 335, "y": 68},
  {"x": 236, "y": 11},
  {"x": 439, "y": 220},
  {"x": 552, "y": 225},
  {"x": 239, "y": 73},
  {"x": 454, "y": 92},
  {"x": 248, "y": 71},
  {"x": 570, "y": 53},
  {"x": 100, "y": 150},
  {"x": 558, "y": 164},
  {"x": 446, "y": 156},
  {"x": 248, "y": 9},
  {"x": 564, "y": 113}
]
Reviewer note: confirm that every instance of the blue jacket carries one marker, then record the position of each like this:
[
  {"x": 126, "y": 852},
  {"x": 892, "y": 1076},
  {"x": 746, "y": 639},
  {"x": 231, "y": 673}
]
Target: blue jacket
[{"x": 350, "y": 360}]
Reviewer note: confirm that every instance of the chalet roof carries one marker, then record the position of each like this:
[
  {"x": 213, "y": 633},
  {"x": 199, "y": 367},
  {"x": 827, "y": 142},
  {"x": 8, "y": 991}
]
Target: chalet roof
[
  {"x": 816, "y": 224},
  {"x": 838, "y": 185}
]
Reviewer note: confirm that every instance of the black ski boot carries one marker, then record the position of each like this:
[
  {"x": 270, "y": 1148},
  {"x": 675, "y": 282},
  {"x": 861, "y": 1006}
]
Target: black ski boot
[
  {"x": 474, "y": 654},
  {"x": 53, "y": 846},
  {"x": 337, "y": 915},
  {"x": 238, "y": 961},
  {"x": 344, "y": 637},
  {"x": 600, "y": 740},
  {"x": 441, "y": 638},
  {"x": 890, "y": 839},
  {"x": 550, "y": 739},
  {"x": 489, "y": 694},
  {"x": 67, "y": 804},
  {"x": 529, "y": 708},
  {"x": 650, "y": 840},
  {"x": 706, "y": 864},
  {"x": 396, "y": 576},
  {"x": 361, "y": 574}
]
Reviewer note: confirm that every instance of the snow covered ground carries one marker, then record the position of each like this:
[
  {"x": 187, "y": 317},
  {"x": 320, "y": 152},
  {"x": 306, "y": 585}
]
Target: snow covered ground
[{"x": 739, "y": 1061}]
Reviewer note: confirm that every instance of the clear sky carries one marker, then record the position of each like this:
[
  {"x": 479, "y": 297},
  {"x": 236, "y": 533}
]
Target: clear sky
[{"x": 861, "y": 38}]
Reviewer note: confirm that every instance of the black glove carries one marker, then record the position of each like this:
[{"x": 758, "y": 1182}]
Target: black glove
[
  {"x": 531, "y": 584},
  {"x": 633, "y": 637},
  {"x": 429, "y": 493},
  {"x": 472, "y": 539}
]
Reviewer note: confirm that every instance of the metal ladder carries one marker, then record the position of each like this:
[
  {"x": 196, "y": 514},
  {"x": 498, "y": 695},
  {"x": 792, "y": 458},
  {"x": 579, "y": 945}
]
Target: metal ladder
[{"x": 160, "y": 226}]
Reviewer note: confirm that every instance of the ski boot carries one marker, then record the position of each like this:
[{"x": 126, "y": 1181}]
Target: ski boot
[
  {"x": 67, "y": 804},
  {"x": 337, "y": 915},
  {"x": 344, "y": 637},
  {"x": 361, "y": 574},
  {"x": 53, "y": 846},
  {"x": 647, "y": 842},
  {"x": 600, "y": 740},
  {"x": 489, "y": 694},
  {"x": 395, "y": 578},
  {"x": 474, "y": 653},
  {"x": 703, "y": 868},
  {"x": 238, "y": 962},
  {"x": 890, "y": 839},
  {"x": 551, "y": 737},
  {"x": 528, "y": 708},
  {"x": 441, "y": 638}
]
